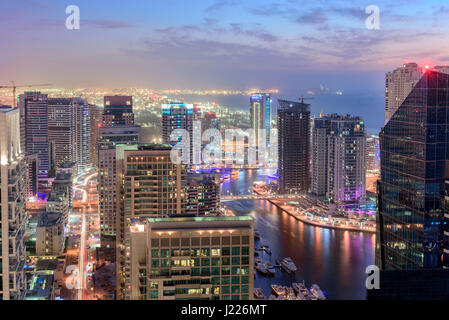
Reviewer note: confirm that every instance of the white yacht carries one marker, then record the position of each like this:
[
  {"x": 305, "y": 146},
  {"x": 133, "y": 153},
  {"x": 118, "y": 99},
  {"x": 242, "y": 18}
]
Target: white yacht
[
  {"x": 288, "y": 265},
  {"x": 316, "y": 291}
]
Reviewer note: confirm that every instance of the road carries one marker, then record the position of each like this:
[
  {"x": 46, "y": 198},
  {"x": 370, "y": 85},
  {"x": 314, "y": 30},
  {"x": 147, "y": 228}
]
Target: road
[
  {"x": 82, "y": 256},
  {"x": 84, "y": 235}
]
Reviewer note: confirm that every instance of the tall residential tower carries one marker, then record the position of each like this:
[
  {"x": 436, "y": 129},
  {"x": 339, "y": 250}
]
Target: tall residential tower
[
  {"x": 12, "y": 207},
  {"x": 293, "y": 122}
]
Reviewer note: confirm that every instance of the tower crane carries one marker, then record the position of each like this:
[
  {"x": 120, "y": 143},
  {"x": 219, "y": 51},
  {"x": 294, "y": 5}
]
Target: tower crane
[{"x": 14, "y": 87}]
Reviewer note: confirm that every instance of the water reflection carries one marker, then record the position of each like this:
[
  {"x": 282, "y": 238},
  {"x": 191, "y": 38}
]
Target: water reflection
[{"x": 334, "y": 259}]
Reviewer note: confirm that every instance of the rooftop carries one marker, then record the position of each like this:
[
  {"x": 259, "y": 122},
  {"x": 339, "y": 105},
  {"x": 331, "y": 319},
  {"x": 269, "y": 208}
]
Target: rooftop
[
  {"x": 49, "y": 219},
  {"x": 199, "y": 219}
]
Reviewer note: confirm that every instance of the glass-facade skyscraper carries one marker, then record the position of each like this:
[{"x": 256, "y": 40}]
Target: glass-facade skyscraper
[{"x": 414, "y": 164}]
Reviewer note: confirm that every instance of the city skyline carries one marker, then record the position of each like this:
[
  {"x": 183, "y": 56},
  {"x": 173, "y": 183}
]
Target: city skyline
[{"x": 224, "y": 150}]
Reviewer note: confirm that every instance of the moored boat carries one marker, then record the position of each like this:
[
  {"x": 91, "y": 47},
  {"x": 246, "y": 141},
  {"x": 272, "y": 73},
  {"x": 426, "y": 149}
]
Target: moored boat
[
  {"x": 288, "y": 265},
  {"x": 316, "y": 291},
  {"x": 278, "y": 290},
  {"x": 262, "y": 269},
  {"x": 301, "y": 288},
  {"x": 258, "y": 293}
]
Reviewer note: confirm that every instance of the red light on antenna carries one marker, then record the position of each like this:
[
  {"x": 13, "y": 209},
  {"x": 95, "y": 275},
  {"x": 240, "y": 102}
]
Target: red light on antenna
[{"x": 427, "y": 66}]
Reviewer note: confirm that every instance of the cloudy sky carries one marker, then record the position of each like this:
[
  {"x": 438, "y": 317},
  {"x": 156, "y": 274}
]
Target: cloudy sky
[{"x": 218, "y": 43}]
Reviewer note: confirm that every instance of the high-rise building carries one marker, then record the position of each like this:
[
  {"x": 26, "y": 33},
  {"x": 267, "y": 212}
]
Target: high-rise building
[
  {"x": 61, "y": 129},
  {"x": 12, "y": 207},
  {"x": 398, "y": 85},
  {"x": 191, "y": 258},
  {"x": 372, "y": 153},
  {"x": 151, "y": 185},
  {"x": 82, "y": 133},
  {"x": 50, "y": 234},
  {"x": 109, "y": 138},
  {"x": 63, "y": 183},
  {"x": 118, "y": 110},
  {"x": 179, "y": 116},
  {"x": 211, "y": 121},
  {"x": 320, "y": 155},
  {"x": 293, "y": 122},
  {"x": 414, "y": 162},
  {"x": 95, "y": 113},
  {"x": 32, "y": 186},
  {"x": 260, "y": 116},
  {"x": 33, "y": 108},
  {"x": 338, "y": 165},
  {"x": 442, "y": 69},
  {"x": 203, "y": 194},
  {"x": 446, "y": 226},
  {"x": 58, "y": 201},
  {"x": 117, "y": 127}
]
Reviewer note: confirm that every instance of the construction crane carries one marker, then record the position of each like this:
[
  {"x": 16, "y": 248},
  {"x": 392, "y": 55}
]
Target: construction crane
[
  {"x": 14, "y": 87},
  {"x": 301, "y": 98}
]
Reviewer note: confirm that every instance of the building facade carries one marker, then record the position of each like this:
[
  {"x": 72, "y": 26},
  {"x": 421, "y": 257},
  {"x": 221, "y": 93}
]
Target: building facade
[
  {"x": 109, "y": 139},
  {"x": 61, "y": 129},
  {"x": 151, "y": 185},
  {"x": 414, "y": 162},
  {"x": 398, "y": 85},
  {"x": 293, "y": 122},
  {"x": 118, "y": 110},
  {"x": 260, "y": 116},
  {"x": 50, "y": 234},
  {"x": 82, "y": 133},
  {"x": 210, "y": 258},
  {"x": 203, "y": 194},
  {"x": 12, "y": 207},
  {"x": 33, "y": 108},
  {"x": 95, "y": 113}
]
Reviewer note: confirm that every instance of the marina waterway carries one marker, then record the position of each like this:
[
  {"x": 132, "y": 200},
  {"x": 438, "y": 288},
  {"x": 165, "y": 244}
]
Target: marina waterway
[{"x": 334, "y": 259}]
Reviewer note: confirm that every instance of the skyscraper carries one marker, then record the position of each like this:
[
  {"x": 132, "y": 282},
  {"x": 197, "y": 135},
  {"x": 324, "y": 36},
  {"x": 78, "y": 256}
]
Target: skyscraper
[
  {"x": 414, "y": 165},
  {"x": 61, "y": 129},
  {"x": 203, "y": 194},
  {"x": 398, "y": 85},
  {"x": 34, "y": 132},
  {"x": 179, "y": 116},
  {"x": 442, "y": 69},
  {"x": 260, "y": 115},
  {"x": 109, "y": 138},
  {"x": 117, "y": 127},
  {"x": 210, "y": 258},
  {"x": 151, "y": 185},
  {"x": 372, "y": 153},
  {"x": 95, "y": 113},
  {"x": 293, "y": 122},
  {"x": 211, "y": 121},
  {"x": 82, "y": 133},
  {"x": 12, "y": 207},
  {"x": 118, "y": 110},
  {"x": 338, "y": 165},
  {"x": 320, "y": 155}
]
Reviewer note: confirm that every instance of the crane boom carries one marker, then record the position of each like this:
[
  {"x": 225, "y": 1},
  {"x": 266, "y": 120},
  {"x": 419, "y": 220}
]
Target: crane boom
[{"x": 14, "y": 87}]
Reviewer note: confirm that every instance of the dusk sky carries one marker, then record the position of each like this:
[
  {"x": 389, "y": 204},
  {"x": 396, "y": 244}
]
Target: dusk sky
[{"x": 218, "y": 43}]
